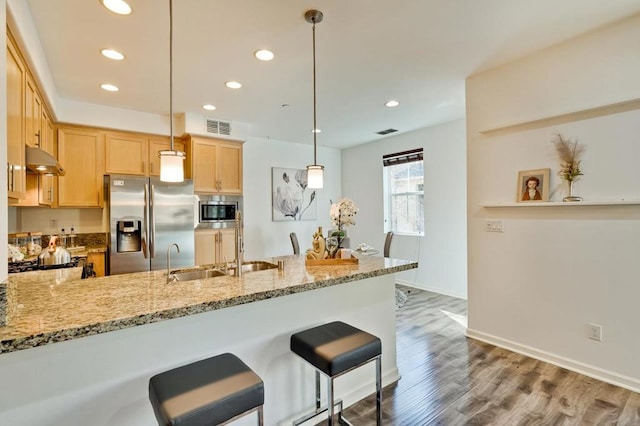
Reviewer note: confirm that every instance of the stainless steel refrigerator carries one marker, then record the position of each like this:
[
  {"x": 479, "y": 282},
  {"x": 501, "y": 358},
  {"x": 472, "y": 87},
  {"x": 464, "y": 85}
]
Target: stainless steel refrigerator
[{"x": 146, "y": 216}]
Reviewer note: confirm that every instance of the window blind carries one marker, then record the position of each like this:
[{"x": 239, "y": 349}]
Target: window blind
[{"x": 402, "y": 157}]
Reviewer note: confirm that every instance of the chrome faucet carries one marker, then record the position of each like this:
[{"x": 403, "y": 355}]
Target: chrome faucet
[
  {"x": 169, "y": 259},
  {"x": 239, "y": 244}
]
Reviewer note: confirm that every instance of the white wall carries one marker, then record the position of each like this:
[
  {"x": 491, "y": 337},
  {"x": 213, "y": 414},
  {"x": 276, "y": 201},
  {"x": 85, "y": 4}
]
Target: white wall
[
  {"x": 535, "y": 287},
  {"x": 263, "y": 237},
  {"x": 4, "y": 218},
  {"x": 441, "y": 253}
]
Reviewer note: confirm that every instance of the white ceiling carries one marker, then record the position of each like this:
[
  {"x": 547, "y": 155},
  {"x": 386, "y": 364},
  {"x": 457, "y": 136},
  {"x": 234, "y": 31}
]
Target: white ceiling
[{"x": 368, "y": 51}]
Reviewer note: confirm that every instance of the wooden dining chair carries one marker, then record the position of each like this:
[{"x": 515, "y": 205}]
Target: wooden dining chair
[
  {"x": 387, "y": 244},
  {"x": 294, "y": 243}
]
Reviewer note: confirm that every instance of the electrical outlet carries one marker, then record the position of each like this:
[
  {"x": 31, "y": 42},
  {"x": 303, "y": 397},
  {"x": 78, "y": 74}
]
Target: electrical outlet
[
  {"x": 53, "y": 224},
  {"x": 594, "y": 332},
  {"x": 493, "y": 226}
]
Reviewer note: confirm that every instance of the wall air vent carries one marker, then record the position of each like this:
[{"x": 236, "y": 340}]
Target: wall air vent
[
  {"x": 386, "y": 132},
  {"x": 217, "y": 127}
]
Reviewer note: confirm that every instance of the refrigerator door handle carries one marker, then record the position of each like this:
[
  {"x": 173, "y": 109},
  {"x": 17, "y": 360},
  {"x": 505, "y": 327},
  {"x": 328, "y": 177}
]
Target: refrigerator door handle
[
  {"x": 152, "y": 224},
  {"x": 145, "y": 223}
]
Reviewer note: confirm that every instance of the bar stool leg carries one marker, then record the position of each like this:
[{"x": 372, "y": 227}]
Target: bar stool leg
[
  {"x": 317, "y": 390},
  {"x": 330, "y": 400},
  {"x": 260, "y": 417},
  {"x": 379, "y": 391}
]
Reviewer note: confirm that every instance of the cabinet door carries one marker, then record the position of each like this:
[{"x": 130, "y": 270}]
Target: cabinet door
[
  {"x": 161, "y": 144},
  {"x": 126, "y": 154},
  {"x": 227, "y": 246},
  {"x": 229, "y": 168},
  {"x": 46, "y": 187},
  {"x": 98, "y": 263},
  {"x": 80, "y": 153},
  {"x": 206, "y": 241},
  {"x": 33, "y": 114},
  {"x": 16, "y": 77},
  {"x": 204, "y": 160}
]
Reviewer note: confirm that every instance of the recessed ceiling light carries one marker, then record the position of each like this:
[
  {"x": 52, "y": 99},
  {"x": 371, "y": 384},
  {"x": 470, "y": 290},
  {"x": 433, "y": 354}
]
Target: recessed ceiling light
[
  {"x": 208, "y": 107},
  {"x": 109, "y": 87},
  {"x": 392, "y": 103},
  {"x": 120, "y": 7},
  {"x": 233, "y": 85},
  {"x": 112, "y": 54},
  {"x": 264, "y": 55},
  {"x": 316, "y": 131}
]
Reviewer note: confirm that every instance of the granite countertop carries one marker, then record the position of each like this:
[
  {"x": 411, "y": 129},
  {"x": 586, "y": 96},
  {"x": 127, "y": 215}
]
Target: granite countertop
[{"x": 45, "y": 307}]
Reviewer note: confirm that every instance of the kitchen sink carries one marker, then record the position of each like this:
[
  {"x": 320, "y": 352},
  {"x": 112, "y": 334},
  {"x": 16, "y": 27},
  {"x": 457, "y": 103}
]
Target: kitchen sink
[
  {"x": 253, "y": 266},
  {"x": 198, "y": 274},
  {"x": 195, "y": 275}
]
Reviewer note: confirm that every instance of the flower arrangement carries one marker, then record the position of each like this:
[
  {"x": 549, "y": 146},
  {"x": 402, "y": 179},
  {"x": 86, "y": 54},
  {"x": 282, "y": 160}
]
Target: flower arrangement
[
  {"x": 569, "y": 154},
  {"x": 343, "y": 213}
]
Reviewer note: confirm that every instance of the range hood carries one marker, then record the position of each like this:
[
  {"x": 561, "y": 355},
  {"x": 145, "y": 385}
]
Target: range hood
[{"x": 40, "y": 161}]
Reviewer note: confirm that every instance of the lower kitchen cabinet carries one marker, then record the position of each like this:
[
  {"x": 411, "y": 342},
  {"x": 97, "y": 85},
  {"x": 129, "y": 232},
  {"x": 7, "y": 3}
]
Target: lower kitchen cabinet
[
  {"x": 98, "y": 263},
  {"x": 215, "y": 246}
]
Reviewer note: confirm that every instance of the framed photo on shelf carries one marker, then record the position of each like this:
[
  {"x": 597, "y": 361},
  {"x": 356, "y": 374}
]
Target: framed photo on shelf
[{"x": 533, "y": 186}]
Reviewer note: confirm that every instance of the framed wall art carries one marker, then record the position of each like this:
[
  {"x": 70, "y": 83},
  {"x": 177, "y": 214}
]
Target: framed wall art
[
  {"x": 291, "y": 198},
  {"x": 533, "y": 186}
]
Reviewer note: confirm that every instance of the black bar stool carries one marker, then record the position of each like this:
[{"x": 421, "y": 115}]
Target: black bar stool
[
  {"x": 334, "y": 349},
  {"x": 213, "y": 391}
]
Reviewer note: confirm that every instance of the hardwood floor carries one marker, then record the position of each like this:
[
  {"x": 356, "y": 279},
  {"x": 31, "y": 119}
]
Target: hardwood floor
[{"x": 448, "y": 379}]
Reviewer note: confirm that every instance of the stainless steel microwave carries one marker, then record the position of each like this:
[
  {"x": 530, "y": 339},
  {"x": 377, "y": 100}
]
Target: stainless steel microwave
[{"x": 217, "y": 211}]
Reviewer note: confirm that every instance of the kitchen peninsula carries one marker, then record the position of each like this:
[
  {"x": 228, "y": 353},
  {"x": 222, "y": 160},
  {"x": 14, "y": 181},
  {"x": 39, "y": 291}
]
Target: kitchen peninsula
[{"x": 82, "y": 351}]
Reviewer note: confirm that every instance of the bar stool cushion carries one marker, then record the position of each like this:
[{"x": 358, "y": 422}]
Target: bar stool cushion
[
  {"x": 206, "y": 392},
  {"x": 335, "y": 347}
]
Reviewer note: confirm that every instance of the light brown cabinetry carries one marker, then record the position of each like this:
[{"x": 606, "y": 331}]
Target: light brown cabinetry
[
  {"x": 98, "y": 263},
  {"x": 47, "y": 184},
  {"x": 33, "y": 114},
  {"x": 214, "y": 246},
  {"x": 40, "y": 189},
  {"x": 16, "y": 78},
  {"x": 80, "y": 151},
  {"x": 216, "y": 166},
  {"x": 126, "y": 154},
  {"x": 28, "y": 123},
  {"x": 135, "y": 154}
]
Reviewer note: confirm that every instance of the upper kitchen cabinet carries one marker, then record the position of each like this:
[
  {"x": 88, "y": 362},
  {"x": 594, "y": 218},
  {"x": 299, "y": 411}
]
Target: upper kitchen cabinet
[
  {"x": 16, "y": 79},
  {"x": 33, "y": 114},
  {"x": 216, "y": 165},
  {"x": 161, "y": 144},
  {"x": 80, "y": 151},
  {"x": 40, "y": 188},
  {"x": 126, "y": 154},
  {"x": 136, "y": 154}
]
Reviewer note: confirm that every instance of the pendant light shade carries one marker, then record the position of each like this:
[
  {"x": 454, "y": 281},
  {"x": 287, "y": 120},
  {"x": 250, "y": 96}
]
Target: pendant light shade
[
  {"x": 314, "y": 176},
  {"x": 171, "y": 161},
  {"x": 314, "y": 171},
  {"x": 172, "y": 166}
]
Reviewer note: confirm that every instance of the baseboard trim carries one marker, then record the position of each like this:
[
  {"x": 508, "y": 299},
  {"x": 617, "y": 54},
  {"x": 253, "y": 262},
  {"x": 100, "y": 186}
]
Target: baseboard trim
[
  {"x": 432, "y": 289},
  {"x": 588, "y": 370}
]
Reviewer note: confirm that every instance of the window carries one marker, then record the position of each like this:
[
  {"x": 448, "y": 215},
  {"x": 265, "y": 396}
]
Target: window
[{"x": 404, "y": 192}]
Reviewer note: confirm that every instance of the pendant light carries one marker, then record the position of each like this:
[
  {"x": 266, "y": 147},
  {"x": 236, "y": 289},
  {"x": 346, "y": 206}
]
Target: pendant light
[
  {"x": 171, "y": 161},
  {"x": 314, "y": 171}
]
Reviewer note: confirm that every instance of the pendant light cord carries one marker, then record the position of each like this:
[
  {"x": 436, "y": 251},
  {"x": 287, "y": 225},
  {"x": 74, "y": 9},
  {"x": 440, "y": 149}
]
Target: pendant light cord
[
  {"x": 315, "y": 127},
  {"x": 171, "y": 71}
]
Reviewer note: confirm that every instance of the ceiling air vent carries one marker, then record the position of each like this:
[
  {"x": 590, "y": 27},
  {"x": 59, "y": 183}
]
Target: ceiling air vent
[
  {"x": 217, "y": 127},
  {"x": 386, "y": 132}
]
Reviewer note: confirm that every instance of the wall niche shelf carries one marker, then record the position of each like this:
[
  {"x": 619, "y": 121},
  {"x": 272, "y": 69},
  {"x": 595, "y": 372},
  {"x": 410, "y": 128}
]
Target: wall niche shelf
[
  {"x": 563, "y": 204},
  {"x": 582, "y": 114}
]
